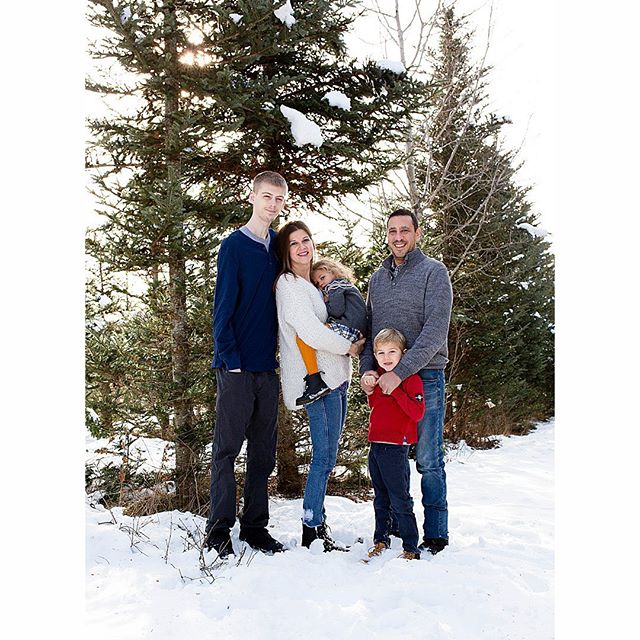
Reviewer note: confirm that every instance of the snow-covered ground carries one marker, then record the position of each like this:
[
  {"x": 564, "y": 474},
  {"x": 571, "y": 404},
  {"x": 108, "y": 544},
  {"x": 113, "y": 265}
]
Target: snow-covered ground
[
  {"x": 494, "y": 581},
  {"x": 145, "y": 454}
]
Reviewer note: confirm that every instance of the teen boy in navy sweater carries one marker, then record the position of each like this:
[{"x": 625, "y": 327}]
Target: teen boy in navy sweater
[
  {"x": 245, "y": 332},
  {"x": 393, "y": 426}
]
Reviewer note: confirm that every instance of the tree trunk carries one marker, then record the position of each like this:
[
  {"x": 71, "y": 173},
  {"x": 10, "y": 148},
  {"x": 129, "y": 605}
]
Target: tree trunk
[
  {"x": 105, "y": 410},
  {"x": 186, "y": 442},
  {"x": 289, "y": 478}
]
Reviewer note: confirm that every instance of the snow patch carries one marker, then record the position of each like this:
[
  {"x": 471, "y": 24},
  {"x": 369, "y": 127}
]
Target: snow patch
[
  {"x": 338, "y": 99},
  {"x": 317, "y": 547},
  {"x": 391, "y": 65},
  {"x": 285, "y": 14},
  {"x": 144, "y": 454},
  {"x": 536, "y": 232},
  {"x": 303, "y": 130},
  {"x": 236, "y": 17},
  {"x": 147, "y": 576}
]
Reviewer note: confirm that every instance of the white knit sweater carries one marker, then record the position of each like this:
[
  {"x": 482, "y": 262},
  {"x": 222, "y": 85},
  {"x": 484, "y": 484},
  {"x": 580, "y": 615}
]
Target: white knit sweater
[{"x": 302, "y": 312}]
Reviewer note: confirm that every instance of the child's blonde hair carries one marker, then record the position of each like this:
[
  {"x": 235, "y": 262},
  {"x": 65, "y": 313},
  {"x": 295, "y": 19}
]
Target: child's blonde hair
[
  {"x": 390, "y": 335},
  {"x": 335, "y": 268}
]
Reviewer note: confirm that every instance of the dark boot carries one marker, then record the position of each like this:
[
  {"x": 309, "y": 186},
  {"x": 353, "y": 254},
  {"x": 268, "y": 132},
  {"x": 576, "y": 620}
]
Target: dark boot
[
  {"x": 324, "y": 533},
  {"x": 315, "y": 388},
  {"x": 433, "y": 545},
  {"x": 220, "y": 541},
  {"x": 309, "y": 534},
  {"x": 261, "y": 540}
]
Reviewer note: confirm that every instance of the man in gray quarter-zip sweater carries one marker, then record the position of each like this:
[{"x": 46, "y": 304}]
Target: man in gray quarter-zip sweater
[{"x": 412, "y": 293}]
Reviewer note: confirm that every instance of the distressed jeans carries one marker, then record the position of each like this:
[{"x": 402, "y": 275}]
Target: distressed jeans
[
  {"x": 430, "y": 456},
  {"x": 326, "y": 420}
]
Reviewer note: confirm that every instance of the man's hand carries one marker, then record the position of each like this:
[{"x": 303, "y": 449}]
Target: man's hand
[
  {"x": 388, "y": 382},
  {"x": 356, "y": 348},
  {"x": 368, "y": 381}
]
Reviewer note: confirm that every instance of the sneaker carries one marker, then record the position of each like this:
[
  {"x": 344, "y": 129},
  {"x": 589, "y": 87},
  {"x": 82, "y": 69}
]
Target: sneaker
[
  {"x": 314, "y": 389},
  {"x": 219, "y": 541},
  {"x": 433, "y": 545},
  {"x": 261, "y": 540},
  {"x": 409, "y": 555},
  {"x": 377, "y": 549}
]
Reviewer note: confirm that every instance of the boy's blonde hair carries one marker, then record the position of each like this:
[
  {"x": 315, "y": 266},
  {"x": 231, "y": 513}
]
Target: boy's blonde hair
[
  {"x": 390, "y": 335},
  {"x": 335, "y": 268}
]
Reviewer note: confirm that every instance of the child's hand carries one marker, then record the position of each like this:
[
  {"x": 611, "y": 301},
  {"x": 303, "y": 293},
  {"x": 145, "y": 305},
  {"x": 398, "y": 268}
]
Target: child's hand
[
  {"x": 369, "y": 380},
  {"x": 365, "y": 381}
]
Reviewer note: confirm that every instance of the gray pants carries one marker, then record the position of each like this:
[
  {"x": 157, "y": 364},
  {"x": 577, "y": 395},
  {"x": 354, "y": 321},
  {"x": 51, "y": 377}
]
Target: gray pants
[{"x": 246, "y": 407}]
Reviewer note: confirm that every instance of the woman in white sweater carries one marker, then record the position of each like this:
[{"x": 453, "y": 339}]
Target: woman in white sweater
[{"x": 302, "y": 312}]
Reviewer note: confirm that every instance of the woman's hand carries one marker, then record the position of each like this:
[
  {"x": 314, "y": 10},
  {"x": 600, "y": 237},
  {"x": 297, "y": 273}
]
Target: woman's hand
[{"x": 356, "y": 348}]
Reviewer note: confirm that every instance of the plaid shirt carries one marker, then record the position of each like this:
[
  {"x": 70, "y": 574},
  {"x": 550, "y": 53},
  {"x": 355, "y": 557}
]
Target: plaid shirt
[{"x": 395, "y": 270}]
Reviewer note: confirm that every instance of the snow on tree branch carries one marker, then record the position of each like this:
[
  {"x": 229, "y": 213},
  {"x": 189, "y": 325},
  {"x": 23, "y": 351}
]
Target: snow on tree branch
[
  {"x": 536, "y": 232},
  {"x": 303, "y": 130},
  {"x": 338, "y": 99},
  {"x": 391, "y": 65},
  {"x": 285, "y": 14}
]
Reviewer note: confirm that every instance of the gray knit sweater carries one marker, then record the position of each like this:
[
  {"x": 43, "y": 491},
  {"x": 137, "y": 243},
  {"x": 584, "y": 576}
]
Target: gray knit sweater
[
  {"x": 346, "y": 305},
  {"x": 417, "y": 303}
]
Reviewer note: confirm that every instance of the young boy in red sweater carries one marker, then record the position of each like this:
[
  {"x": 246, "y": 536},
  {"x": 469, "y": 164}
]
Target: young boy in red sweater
[{"x": 393, "y": 426}]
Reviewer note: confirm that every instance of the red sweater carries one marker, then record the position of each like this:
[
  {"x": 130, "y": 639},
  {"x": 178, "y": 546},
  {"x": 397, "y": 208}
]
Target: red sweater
[{"x": 395, "y": 417}]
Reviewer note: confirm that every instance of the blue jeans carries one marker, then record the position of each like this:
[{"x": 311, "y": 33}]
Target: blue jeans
[
  {"x": 430, "y": 455},
  {"x": 389, "y": 471},
  {"x": 326, "y": 420}
]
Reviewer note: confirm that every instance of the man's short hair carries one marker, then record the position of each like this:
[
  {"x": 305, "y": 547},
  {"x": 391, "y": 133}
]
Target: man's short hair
[
  {"x": 405, "y": 212},
  {"x": 390, "y": 335},
  {"x": 269, "y": 177}
]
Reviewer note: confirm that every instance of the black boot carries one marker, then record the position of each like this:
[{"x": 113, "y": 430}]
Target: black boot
[
  {"x": 309, "y": 534},
  {"x": 314, "y": 388},
  {"x": 433, "y": 545},
  {"x": 261, "y": 540},
  {"x": 324, "y": 533},
  {"x": 219, "y": 541}
]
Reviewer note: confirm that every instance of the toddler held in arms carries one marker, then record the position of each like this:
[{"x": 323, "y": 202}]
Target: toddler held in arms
[{"x": 347, "y": 315}]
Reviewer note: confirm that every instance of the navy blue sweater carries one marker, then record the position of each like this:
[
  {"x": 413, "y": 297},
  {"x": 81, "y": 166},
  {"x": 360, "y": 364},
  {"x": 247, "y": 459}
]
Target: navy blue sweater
[{"x": 245, "y": 322}]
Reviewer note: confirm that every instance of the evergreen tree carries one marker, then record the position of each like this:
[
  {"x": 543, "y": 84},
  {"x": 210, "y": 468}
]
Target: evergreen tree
[
  {"x": 476, "y": 215},
  {"x": 195, "y": 95}
]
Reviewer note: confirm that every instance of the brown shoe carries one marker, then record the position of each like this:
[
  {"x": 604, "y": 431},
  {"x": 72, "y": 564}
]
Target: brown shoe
[
  {"x": 377, "y": 549},
  {"x": 409, "y": 555}
]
